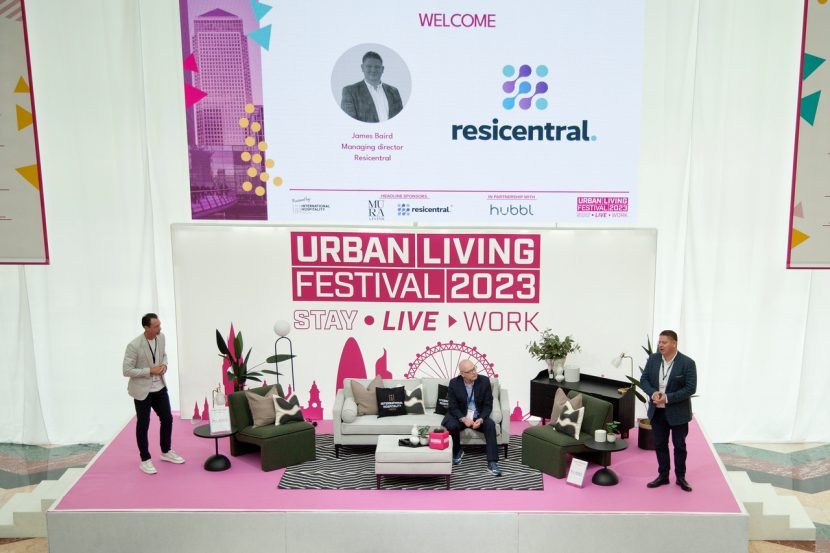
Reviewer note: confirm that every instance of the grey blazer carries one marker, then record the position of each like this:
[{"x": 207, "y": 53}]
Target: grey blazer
[
  {"x": 137, "y": 362},
  {"x": 357, "y": 102}
]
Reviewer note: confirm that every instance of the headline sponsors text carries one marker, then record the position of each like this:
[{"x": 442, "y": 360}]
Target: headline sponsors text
[{"x": 410, "y": 267}]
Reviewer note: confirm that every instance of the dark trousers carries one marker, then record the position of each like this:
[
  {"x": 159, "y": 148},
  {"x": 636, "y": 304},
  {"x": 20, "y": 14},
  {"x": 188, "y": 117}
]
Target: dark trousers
[
  {"x": 160, "y": 403},
  {"x": 488, "y": 428},
  {"x": 661, "y": 429}
]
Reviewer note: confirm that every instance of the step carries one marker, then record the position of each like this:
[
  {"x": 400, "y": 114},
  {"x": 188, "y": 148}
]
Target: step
[
  {"x": 771, "y": 516},
  {"x": 24, "y": 514}
]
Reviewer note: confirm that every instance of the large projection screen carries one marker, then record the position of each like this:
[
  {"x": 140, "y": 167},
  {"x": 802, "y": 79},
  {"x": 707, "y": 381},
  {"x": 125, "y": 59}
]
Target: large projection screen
[{"x": 597, "y": 285}]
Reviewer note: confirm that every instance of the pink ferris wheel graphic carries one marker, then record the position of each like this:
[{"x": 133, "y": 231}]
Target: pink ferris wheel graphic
[{"x": 441, "y": 361}]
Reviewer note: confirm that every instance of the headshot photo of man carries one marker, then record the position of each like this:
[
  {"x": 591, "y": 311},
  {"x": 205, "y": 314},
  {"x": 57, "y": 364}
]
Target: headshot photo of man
[{"x": 371, "y": 100}]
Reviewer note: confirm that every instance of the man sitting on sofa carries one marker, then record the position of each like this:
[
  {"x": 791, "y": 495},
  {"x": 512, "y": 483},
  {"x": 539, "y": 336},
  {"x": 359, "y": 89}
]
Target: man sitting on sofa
[{"x": 470, "y": 399}]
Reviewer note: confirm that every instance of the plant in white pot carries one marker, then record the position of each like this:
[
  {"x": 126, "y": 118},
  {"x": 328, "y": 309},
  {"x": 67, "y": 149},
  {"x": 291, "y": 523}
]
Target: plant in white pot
[
  {"x": 613, "y": 428},
  {"x": 553, "y": 350}
]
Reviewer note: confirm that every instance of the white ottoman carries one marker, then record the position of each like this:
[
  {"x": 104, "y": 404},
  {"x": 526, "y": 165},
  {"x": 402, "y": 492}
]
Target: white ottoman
[{"x": 393, "y": 459}]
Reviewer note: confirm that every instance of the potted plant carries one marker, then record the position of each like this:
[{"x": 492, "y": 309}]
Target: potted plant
[
  {"x": 423, "y": 434},
  {"x": 645, "y": 436},
  {"x": 238, "y": 370},
  {"x": 613, "y": 429},
  {"x": 554, "y": 350}
]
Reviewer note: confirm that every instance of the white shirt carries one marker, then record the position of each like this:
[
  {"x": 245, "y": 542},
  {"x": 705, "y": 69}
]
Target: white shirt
[
  {"x": 156, "y": 384},
  {"x": 665, "y": 373},
  {"x": 380, "y": 100}
]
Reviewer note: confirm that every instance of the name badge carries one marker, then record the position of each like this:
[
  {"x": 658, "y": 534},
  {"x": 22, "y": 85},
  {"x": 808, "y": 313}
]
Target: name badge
[{"x": 470, "y": 413}]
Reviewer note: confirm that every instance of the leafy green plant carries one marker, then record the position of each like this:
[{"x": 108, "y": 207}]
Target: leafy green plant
[
  {"x": 423, "y": 431},
  {"x": 636, "y": 382},
  {"x": 238, "y": 370},
  {"x": 613, "y": 427},
  {"x": 551, "y": 346}
]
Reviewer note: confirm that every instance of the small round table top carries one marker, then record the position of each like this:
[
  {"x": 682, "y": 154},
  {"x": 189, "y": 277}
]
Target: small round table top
[
  {"x": 618, "y": 445},
  {"x": 204, "y": 432}
]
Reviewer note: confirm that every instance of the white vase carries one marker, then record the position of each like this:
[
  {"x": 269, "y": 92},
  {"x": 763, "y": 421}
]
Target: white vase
[
  {"x": 414, "y": 440},
  {"x": 424, "y": 440},
  {"x": 611, "y": 438},
  {"x": 556, "y": 367}
]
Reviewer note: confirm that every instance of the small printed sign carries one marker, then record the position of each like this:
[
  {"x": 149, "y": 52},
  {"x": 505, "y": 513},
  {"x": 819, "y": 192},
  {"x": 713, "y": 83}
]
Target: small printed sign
[
  {"x": 576, "y": 476},
  {"x": 220, "y": 420}
]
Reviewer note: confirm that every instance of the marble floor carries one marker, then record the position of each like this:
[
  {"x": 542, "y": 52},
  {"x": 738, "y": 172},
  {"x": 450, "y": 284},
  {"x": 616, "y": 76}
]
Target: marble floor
[{"x": 801, "y": 470}]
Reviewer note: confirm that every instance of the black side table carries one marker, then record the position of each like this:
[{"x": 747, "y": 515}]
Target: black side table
[
  {"x": 216, "y": 462},
  {"x": 606, "y": 476}
]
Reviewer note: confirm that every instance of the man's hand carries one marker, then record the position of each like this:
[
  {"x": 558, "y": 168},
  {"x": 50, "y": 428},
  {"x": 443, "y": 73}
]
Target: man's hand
[
  {"x": 161, "y": 368},
  {"x": 468, "y": 422},
  {"x": 477, "y": 423},
  {"x": 659, "y": 398}
]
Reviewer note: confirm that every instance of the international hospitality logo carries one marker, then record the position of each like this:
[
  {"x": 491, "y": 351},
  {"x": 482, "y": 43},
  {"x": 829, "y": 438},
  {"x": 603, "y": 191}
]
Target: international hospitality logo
[{"x": 524, "y": 87}]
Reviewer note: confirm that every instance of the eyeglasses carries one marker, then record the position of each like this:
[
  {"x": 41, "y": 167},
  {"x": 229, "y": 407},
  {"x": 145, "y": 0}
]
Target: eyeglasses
[{"x": 468, "y": 372}]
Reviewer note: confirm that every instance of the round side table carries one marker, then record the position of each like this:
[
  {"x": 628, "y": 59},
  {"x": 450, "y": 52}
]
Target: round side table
[
  {"x": 606, "y": 476},
  {"x": 216, "y": 462}
]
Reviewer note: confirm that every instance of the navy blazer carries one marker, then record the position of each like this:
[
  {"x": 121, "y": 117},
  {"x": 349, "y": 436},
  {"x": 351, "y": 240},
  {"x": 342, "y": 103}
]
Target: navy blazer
[
  {"x": 679, "y": 390},
  {"x": 358, "y": 103},
  {"x": 457, "y": 397}
]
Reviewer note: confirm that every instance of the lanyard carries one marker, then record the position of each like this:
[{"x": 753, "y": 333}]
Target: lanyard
[
  {"x": 471, "y": 393},
  {"x": 153, "y": 351},
  {"x": 665, "y": 371}
]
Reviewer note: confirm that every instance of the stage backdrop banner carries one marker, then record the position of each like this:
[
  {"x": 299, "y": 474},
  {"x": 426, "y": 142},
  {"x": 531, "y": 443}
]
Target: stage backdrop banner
[
  {"x": 810, "y": 214},
  {"x": 22, "y": 218},
  {"x": 489, "y": 114},
  {"x": 405, "y": 303}
]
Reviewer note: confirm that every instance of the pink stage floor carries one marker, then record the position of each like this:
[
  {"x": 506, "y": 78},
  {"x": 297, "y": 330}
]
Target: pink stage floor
[{"x": 114, "y": 483}]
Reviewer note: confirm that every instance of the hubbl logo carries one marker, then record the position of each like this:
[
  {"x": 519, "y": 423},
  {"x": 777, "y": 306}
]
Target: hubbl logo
[{"x": 524, "y": 87}]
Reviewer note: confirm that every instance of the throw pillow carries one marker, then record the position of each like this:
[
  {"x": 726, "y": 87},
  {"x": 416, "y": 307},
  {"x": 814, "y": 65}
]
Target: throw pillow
[
  {"x": 287, "y": 410},
  {"x": 262, "y": 407},
  {"x": 390, "y": 401},
  {"x": 442, "y": 406},
  {"x": 559, "y": 402},
  {"x": 367, "y": 403},
  {"x": 414, "y": 402},
  {"x": 569, "y": 421},
  {"x": 349, "y": 411}
]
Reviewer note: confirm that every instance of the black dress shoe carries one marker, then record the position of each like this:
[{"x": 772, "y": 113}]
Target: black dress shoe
[
  {"x": 659, "y": 481},
  {"x": 683, "y": 484}
]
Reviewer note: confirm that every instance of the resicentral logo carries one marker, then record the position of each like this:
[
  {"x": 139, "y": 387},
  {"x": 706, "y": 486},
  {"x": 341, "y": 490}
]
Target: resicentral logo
[
  {"x": 525, "y": 90},
  {"x": 521, "y": 87},
  {"x": 405, "y": 210}
]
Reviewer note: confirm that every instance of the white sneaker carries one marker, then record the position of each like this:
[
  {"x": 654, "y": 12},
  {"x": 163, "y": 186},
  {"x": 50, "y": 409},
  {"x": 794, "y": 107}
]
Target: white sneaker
[
  {"x": 172, "y": 457},
  {"x": 147, "y": 467}
]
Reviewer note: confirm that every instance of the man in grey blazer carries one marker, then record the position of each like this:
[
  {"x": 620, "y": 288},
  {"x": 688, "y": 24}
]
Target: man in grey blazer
[
  {"x": 370, "y": 100},
  {"x": 145, "y": 362},
  {"x": 670, "y": 380}
]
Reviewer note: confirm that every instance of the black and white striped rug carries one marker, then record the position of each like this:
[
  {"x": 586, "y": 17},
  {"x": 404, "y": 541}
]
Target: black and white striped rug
[{"x": 355, "y": 470}]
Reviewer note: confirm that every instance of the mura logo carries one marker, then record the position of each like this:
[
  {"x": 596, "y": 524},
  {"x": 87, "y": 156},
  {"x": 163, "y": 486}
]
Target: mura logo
[
  {"x": 376, "y": 210},
  {"x": 511, "y": 210},
  {"x": 404, "y": 210},
  {"x": 515, "y": 86}
]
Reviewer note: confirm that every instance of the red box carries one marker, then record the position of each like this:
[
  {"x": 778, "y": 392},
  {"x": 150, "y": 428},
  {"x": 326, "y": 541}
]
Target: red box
[{"x": 439, "y": 440}]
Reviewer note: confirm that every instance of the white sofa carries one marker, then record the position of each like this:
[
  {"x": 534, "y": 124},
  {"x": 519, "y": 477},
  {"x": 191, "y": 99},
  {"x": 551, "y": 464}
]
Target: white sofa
[{"x": 353, "y": 429}]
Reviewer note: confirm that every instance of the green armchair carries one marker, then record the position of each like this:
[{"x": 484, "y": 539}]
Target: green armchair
[
  {"x": 545, "y": 449},
  {"x": 279, "y": 446}
]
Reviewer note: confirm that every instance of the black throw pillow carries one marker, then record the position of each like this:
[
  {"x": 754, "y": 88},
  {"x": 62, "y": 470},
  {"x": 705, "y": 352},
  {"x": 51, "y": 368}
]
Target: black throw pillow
[
  {"x": 442, "y": 406},
  {"x": 391, "y": 401}
]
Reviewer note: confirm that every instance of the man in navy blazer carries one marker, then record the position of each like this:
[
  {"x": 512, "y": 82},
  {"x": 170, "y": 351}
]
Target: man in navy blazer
[
  {"x": 670, "y": 380},
  {"x": 470, "y": 403},
  {"x": 370, "y": 100}
]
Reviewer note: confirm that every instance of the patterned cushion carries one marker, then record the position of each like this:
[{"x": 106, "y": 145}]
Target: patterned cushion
[
  {"x": 367, "y": 403},
  {"x": 570, "y": 420},
  {"x": 442, "y": 405},
  {"x": 262, "y": 407},
  {"x": 287, "y": 410},
  {"x": 391, "y": 401},
  {"x": 414, "y": 401},
  {"x": 559, "y": 402}
]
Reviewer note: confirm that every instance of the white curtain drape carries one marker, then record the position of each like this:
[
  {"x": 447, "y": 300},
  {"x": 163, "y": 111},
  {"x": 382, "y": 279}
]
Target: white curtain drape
[{"x": 719, "y": 107}]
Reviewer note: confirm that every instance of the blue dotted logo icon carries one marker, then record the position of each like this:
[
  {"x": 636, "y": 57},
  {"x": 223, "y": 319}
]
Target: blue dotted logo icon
[
  {"x": 522, "y": 92},
  {"x": 404, "y": 210}
]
